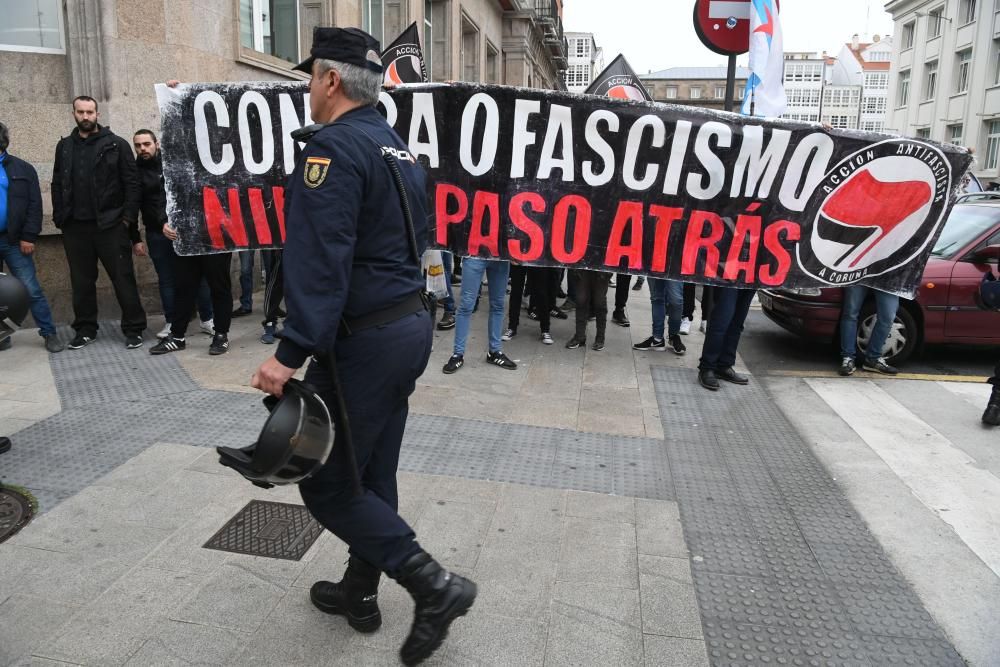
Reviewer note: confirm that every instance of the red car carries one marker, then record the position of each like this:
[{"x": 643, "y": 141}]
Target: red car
[{"x": 944, "y": 310}]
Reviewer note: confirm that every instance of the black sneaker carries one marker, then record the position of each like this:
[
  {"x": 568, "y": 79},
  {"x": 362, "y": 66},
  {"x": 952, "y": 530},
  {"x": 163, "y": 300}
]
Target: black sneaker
[
  {"x": 220, "y": 344},
  {"x": 639, "y": 281},
  {"x": 509, "y": 334},
  {"x": 447, "y": 322},
  {"x": 456, "y": 362},
  {"x": 847, "y": 366},
  {"x": 677, "y": 345},
  {"x": 80, "y": 341},
  {"x": 168, "y": 344},
  {"x": 598, "y": 344},
  {"x": 502, "y": 360},
  {"x": 241, "y": 311},
  {"x": 651, "y": 343},
  {"x": 575, "y": 342},
  {"x": 133, "y": 342},
  {"x": 879, "y": 366},
  {"x": 532, "y": 315},
  {"x": 558, "y": 314},
  {"x": 618, "y": 317},
  {"x": 53, "y": 345}
]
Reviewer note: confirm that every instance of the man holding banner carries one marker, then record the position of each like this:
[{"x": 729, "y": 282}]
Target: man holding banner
[{"x": 357, "y": 225}]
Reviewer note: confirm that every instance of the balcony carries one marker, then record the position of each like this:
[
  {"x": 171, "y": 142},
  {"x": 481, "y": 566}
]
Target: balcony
[{"x": 547, "y": 15}]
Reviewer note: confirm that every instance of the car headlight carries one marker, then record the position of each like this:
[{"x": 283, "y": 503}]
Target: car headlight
[{"x": 804, "y": 291}]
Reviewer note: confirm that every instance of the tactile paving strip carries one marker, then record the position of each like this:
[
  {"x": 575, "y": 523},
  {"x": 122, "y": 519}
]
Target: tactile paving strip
[
  {"x": 272, "y": 530},
  {"x": 784, "y": 569},
  {"x": 118, "y": 402}
]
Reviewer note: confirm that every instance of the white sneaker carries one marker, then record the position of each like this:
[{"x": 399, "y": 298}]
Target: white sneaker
[
  {"x": 547, "y": 339},
  {"x": 508, "y": 334},
  {"x": 208, "y": 327},
  {"x": 685, "y": 326},
  {"x": 703, "y": 326},
  {"x": 164, "y": 332}
]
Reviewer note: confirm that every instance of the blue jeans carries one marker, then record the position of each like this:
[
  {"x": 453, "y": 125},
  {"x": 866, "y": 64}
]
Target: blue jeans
[
  {"x": 664, "y": 294},
  {"x": 246, "y": 274},
  {"x": 448, "y": 303},
  {"x": 161, "y": 251},
  {"x": 885, "y": 309},
  {"x": 23, "y": 268},
  {"x": 496, "y": 272},
  {"x": 729, "y": 313}
]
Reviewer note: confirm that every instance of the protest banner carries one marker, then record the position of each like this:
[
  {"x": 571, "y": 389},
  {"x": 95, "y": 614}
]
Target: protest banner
[{"x": 554, "y": 179}]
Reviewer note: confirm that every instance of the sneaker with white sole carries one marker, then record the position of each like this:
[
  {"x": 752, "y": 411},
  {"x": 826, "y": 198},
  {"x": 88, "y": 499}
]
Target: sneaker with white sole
[
  {"x": 879, "y": 366},
  {"x": 164, "y": 332},
  {"x": 133, "y": 342},
  {"x": 502, "y": 360},
  {"x": 547, "y": 338},
  {"x": 508, "y": 334},
  {"x": 685, "y": 326},
  {"x": 168, "y": 344},
  {"x": 651, "y": 343},
  {"x": 208, "y": 327},
  {"x": 220, "y": 344},
  {"x": 677, "y": 345},
  {"x": 80, "y": 341}
]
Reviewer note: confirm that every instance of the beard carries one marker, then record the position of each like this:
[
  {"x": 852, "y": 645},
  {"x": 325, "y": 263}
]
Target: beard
[{"x": 86, "y": 125}]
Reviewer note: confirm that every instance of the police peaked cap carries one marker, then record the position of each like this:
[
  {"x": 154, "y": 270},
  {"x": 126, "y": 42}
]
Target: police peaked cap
[{"x": 345, "y": 45}]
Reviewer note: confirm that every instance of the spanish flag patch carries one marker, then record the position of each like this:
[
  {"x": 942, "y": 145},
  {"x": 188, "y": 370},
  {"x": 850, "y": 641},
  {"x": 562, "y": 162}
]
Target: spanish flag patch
[{"x": 315, "y": 171}]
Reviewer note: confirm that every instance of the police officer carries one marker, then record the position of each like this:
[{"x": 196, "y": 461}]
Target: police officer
[
  {"x": 14, "y": 306},
  {"x": 353, "y": 289}
]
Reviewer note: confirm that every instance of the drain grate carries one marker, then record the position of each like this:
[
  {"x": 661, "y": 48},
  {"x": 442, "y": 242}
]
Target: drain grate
[
  {"x": 272, "y": 530},
  {"x": 15, "y": 512}
]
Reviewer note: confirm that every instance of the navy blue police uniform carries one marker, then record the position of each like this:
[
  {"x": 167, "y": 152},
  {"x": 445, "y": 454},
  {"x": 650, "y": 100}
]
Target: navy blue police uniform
[{"x": 348, "y": 258}]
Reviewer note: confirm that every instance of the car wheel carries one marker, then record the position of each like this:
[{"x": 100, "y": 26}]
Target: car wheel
[{"x": 902, "y": 339}]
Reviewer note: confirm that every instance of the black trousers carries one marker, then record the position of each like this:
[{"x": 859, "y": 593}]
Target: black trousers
[
  {"x": 543, "y": 282},
  {"x": 591, "y": 299},
  {"x": 189, "y": 271},
  {"x": 274, "y": 291},
  {"x": 518, "y": 276},
  {"x": 378, "y": 369},
  {"x": 85, "y": 246},
  {"x": 623, "y": 283},
  {"x": 707, "y": 302},
  {"x": 689, "y": 301}
]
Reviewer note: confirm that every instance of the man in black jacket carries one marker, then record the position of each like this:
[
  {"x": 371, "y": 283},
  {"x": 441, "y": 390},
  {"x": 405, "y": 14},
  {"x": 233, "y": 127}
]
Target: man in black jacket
[
  {"x": 20, "y": 223},
  {"x": 95, "y": 202},
  {"x": 153, "y": 206}
]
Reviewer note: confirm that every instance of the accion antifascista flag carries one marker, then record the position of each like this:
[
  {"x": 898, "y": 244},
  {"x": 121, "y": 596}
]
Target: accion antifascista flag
[
  {"x": 619, "y": 81},
  {"x": 403, "y": 60}
]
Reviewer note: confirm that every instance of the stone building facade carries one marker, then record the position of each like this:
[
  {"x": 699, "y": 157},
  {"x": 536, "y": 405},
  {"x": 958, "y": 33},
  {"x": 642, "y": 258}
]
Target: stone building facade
[
  {"x": 116, "y": 50},
  {"x": 696, "y": 86}
]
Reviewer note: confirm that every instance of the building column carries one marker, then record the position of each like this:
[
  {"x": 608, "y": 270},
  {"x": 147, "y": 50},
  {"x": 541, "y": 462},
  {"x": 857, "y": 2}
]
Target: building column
[{"x": 85, "y": 49}]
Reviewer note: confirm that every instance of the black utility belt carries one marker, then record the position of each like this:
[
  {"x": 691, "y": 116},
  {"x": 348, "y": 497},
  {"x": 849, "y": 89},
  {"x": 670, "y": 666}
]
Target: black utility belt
[{"x": 414, "y": 303}]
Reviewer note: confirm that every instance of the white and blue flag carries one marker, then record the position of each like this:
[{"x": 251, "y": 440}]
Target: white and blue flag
[{"x": 765, "y": 92}]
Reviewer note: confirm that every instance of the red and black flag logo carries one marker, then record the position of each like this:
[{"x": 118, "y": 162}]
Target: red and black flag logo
[
  {"x": 877, "y": 210},
  {"x": 619, "y": 81},
  {"x": 403, "y": 60}
]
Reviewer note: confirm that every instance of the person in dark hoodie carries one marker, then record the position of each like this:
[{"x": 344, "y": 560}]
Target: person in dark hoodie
[
  {"x": 153, "y": 206},
  {"x": 20, "y": 223},
  {"x": 95, "y": 202}
]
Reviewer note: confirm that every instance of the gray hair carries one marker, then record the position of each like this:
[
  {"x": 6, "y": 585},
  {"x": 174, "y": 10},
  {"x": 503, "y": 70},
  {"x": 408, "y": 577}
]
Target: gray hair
[
  {"x": 4, "y": 138},
  {"x": 360, "y": 84}
]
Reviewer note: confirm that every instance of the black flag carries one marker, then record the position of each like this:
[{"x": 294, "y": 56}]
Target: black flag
[
  {"x": 403, "y": 60},
  {"x": 619, "y": 80}
]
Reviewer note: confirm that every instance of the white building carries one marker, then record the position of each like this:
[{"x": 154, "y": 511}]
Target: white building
[
  {"x": 944, "y": 83},
  {"x": 805, "y": 78},
  {"x": 866, "y": 64},
  {"x": 586, "y": 61}
]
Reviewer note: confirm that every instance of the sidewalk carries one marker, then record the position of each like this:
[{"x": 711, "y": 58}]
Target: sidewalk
[{"x": 595, "y": 539}]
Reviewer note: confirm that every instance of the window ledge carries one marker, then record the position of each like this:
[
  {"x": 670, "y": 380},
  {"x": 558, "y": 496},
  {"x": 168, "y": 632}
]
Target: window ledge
[
  {"x": 927, "y": 101},
  {"x": 931, "y": 39},
  {"x": 270, "y": 63},
  {"x": 954, "y": 95}
]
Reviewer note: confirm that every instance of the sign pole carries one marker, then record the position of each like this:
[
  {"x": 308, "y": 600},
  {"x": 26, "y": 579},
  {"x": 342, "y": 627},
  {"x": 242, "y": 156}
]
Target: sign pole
[{"x": 731, "y": 82}]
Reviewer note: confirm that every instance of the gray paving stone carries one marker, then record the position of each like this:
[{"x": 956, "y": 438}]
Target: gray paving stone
[
  {"x": 600, "y": 506},
  {"x": 232, "y": 598},
  {"x": 454, "y": 533},
  {"x": 658, "y": 529},
  {"x": 489, "y": 639},
  {"x": 62, "y": 578},
  {"x": 514, "y": 586},
  {"x": 27, "y": 623},
  {"x": 669, "y": 605},
  {"x": 661, "y": 651},
  {"x": 182, "y": 644},
  {"x": 598, "y": 551},
  {"x": 594, "y": 624}
]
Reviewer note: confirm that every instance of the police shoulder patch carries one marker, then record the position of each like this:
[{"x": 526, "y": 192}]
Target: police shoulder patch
[{"x": 315, "y": 170}]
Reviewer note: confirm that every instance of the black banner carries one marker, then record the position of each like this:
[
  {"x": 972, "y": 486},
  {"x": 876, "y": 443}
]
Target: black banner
[
  {"x": 403, "y": 60},
  {"x": 554, "y": 179},
  {"x": 619, "y": 81}
]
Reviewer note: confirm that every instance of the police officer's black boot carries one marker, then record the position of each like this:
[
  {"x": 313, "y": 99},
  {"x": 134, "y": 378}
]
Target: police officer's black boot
[
  {"x": 991, "y": 416},
  {"x": 355, "y": 596},
  {"x": 440, "y": 597}
]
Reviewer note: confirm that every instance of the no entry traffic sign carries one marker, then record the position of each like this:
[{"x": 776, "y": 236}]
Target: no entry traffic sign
[{"x": 724, "y": 25}]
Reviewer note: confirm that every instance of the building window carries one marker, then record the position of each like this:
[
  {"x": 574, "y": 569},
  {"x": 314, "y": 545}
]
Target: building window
[
  {"x": 930, "y": 79},
  {"x": 992, "y": 144},
  {"x": 873, "y": 105},
  {"x": 695, "y": 93},
  {"x": 32, "y": 25},
  {"x": 720, "y": 92},
  {"x": 924, "y": 133},
  {"x": 578, "y": 76},
  {"x": 996, "y": 61},
  {"x": 582, "y": 48},
  {"x": 964, "y": 64},
  {"x": 492, "y": 63},
  {"x": 967, "y": 11},
  {"x": 271, "y": 27},
  {"x": 438, "y": 40},
  {"x": 934, "y": 21},
  {"x": 671, "y": 92},
  {"x": 470, "y": 50},
  {"x": 877, "y": 80},
  {"x": 955, "y": 134},
  {"x": 908, "y": 30},
  {"x": 383, "y": 19},
  {"x": 903, "y": 89}
]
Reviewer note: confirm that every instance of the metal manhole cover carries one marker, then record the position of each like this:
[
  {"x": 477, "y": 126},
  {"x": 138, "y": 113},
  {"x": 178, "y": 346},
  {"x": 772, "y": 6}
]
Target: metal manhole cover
[
  {"x": 272, "y": 530},
  {"x": 15, "y": 512}
]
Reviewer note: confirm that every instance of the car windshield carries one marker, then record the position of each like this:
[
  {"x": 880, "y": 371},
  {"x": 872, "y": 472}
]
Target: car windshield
[{"x": 965, "y": 224}]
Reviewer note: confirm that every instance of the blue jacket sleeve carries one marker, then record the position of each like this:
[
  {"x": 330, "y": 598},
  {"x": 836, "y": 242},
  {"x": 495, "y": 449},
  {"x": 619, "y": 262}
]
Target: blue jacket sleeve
[{"x": 322, "y": 223}]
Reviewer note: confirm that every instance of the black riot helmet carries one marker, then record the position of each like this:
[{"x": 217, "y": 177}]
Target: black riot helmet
[
  {"x": 14, "y": 302},
  {"x": 295, "y": 442}
]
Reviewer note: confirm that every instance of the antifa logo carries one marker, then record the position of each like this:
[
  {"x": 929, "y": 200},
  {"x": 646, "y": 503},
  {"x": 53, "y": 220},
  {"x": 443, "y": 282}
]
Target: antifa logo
[
  {"x": 404, "y": 69},
  {"x": 877, "y": 210},
  {"x": 626, "y": 93}
]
